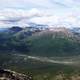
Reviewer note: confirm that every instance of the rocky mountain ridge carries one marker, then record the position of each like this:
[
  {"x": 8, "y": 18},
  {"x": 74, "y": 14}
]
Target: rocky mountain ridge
[{"x": 6, "y": 74}]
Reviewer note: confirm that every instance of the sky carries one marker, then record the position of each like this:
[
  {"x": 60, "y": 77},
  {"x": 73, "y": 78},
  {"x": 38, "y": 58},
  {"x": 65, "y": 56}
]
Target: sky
[{"x": 49, "y": 12}]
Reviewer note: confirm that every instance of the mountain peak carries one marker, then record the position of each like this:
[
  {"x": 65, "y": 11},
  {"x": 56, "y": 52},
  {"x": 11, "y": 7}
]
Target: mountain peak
[{"x": 16, "y": 29}]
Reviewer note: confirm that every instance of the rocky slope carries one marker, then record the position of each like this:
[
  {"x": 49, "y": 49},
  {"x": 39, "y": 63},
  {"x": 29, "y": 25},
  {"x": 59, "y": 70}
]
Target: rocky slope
[{"x": 11, "y": 75}]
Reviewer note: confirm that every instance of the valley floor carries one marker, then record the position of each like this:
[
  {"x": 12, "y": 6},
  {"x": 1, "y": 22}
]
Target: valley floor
[{"x": 42, "y": 68}]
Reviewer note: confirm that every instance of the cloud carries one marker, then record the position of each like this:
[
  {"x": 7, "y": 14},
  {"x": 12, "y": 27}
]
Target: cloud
[
  {"x": 45, "y": 20},
  {"x": 10, "y": 17},
  {"x": 46, "y": 4},
  {"x": 17, "y": 16},
  {"x": 50, "y": 12}
]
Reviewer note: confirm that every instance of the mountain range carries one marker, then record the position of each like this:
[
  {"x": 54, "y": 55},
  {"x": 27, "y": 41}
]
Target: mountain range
[{"x": 56, "y": 41}]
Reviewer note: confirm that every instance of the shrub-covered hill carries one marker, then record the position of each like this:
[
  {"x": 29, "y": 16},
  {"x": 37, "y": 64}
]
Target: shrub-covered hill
[
  {"x": 58, "y": 42},
  {"x": 51, "y": 43}
]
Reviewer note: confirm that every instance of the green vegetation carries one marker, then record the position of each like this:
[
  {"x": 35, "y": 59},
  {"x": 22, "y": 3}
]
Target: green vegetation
[
  {"x": 45, "y": 44},
  {"x": 49, "y": 46},
  {"x": 40, "y": 71},
  {"x": 38, "y": 45}
]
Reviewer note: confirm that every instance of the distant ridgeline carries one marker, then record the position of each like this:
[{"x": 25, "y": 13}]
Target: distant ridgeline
[{"x": 40, "y": 41}]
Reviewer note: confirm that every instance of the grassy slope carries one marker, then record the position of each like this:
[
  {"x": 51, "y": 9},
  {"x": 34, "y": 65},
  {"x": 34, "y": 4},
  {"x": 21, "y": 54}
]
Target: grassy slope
[
  {"x": 41, "y": 44},
  {"x": 49, "y": 46},
  {"x": 38, "y": 69}
]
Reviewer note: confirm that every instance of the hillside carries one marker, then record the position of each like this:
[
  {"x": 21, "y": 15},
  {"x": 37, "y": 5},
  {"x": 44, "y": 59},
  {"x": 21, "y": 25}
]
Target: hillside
[
  {"x": 55, "y": 43},
  {"x": 48, "y": 42}
]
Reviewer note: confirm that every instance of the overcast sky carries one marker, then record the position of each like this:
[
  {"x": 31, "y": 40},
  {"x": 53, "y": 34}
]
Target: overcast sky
[{"x": 50, "y": 12}]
